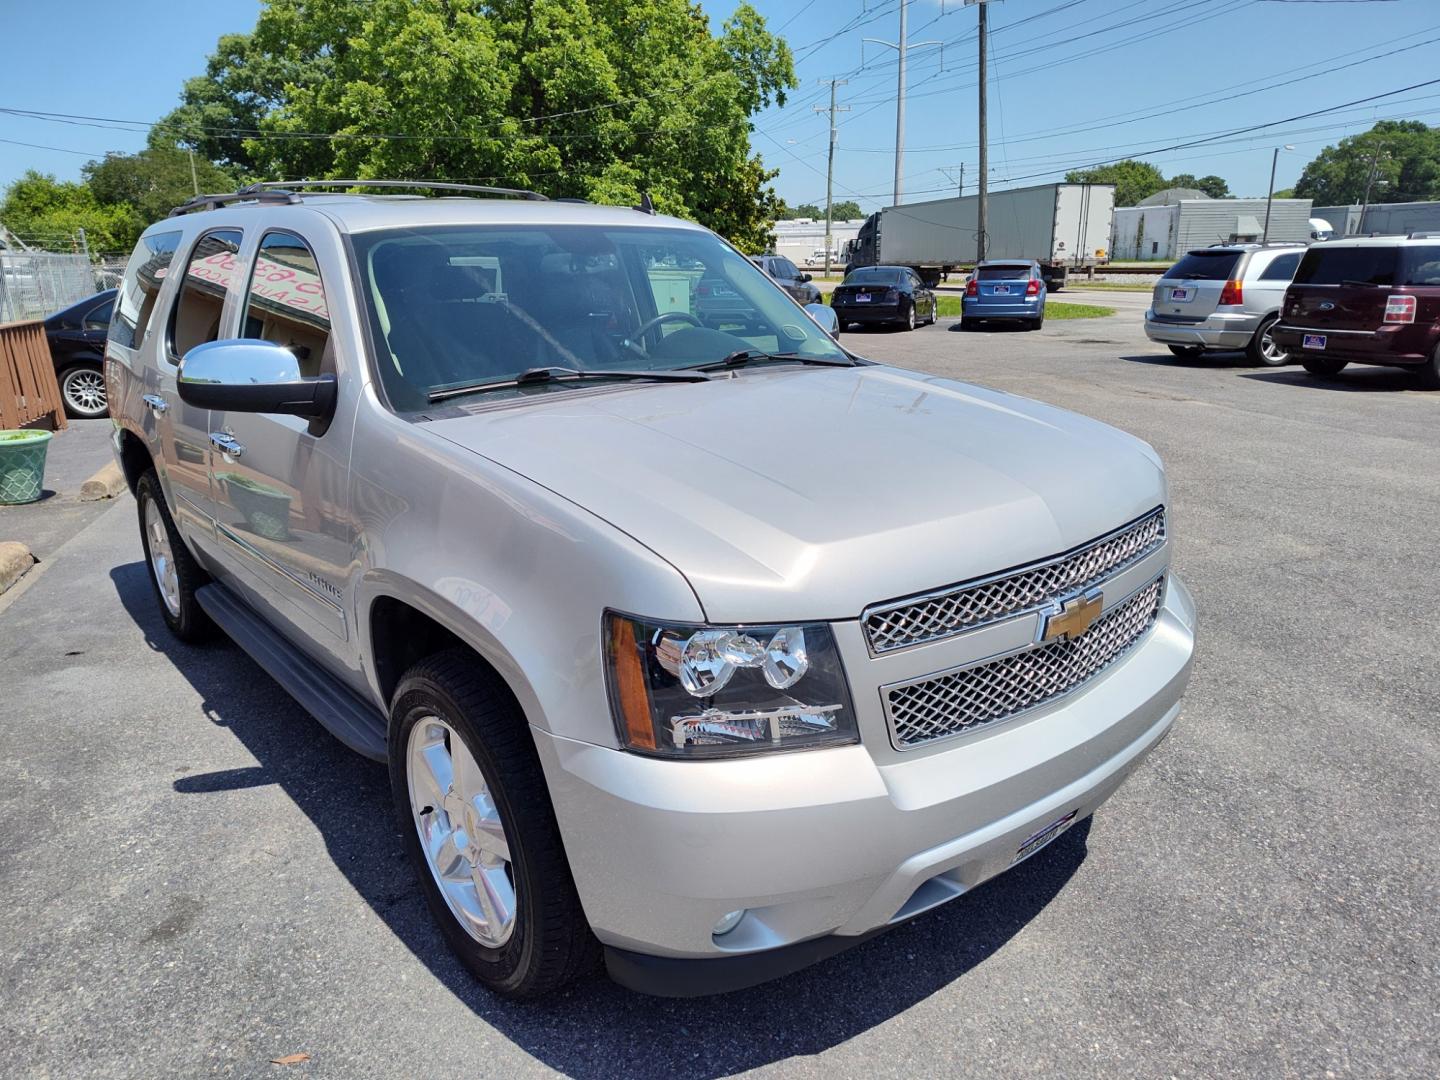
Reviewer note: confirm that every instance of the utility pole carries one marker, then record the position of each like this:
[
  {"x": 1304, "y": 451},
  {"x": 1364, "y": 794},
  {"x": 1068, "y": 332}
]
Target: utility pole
[
  {"x": 901, "y": 47},
  {"x": 830, "y": 162},
  {"x": 949, "y": 170},
  {"x": 1270, "y": 195},
  {"x": 983, "y": 224},
  {"x": 1369, "y": 182}
]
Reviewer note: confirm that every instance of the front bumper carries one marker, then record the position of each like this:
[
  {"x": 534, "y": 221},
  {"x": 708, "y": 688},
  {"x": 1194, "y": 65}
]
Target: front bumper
[
  {"x": 825, "y": 848},
  {"x": 1218, "y": 331}
]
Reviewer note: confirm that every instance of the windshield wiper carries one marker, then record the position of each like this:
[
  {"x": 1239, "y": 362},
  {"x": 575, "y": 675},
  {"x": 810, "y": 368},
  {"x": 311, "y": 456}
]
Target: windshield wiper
[
  {"x": 742, "y": 357},
  {"x": 564, "y": 374}
]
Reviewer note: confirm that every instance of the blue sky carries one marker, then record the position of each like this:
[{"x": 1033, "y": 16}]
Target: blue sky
[{"x": 1072, "y": 82}]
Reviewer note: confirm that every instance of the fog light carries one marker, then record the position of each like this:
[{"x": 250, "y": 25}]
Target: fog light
[{"x": 728, "y": 922}]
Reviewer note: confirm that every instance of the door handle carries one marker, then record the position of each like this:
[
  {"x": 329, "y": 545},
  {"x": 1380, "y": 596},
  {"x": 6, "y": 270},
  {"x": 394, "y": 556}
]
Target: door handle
[
  {"x": 157, "y": 403},
  {"x": 226, "y": 443}
]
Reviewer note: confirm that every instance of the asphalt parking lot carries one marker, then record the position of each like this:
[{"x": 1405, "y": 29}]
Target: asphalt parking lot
[{"x": 196, "y": 878}]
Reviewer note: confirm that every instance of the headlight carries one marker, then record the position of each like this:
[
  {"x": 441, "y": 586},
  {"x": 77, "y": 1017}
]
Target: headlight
[{"x": 712, "y": 691}]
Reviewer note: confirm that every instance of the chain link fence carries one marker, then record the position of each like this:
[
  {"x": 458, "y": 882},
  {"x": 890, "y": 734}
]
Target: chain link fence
[{"x": 36, "y": 284}]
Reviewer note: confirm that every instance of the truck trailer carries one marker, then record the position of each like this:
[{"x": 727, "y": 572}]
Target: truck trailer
[{"x": 1060, "y": 226}]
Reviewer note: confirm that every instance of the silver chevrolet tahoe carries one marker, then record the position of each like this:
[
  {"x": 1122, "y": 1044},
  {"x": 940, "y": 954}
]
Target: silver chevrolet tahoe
[{"x": 688, "y": 637}]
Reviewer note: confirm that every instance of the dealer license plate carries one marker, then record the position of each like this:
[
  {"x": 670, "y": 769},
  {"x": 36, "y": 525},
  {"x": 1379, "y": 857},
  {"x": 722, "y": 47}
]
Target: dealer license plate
[
  {"x": 1043, "y": 837},
  {"x": 1002, "y": 290},
  {"x": 862, "y": 298},
  {"x": 1182, "y": 296},
  {"x": 1314, "y": 341}
]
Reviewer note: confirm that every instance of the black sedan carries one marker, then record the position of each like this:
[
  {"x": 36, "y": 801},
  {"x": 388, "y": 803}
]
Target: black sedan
[
  {"x": 884, "y": 294},
  {"x": 77, "y": 346}
]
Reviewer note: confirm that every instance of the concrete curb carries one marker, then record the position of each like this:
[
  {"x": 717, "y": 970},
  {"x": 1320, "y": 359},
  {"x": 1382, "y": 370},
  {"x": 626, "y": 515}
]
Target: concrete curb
[
  {"x": 105, "y": 484},
  {"x": 15, "y": 560}
]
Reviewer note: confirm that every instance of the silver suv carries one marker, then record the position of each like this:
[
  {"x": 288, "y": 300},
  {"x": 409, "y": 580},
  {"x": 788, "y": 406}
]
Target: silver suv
[
  {"x": 1224, "y": 297},
  {"x": 688, "y": 637}
]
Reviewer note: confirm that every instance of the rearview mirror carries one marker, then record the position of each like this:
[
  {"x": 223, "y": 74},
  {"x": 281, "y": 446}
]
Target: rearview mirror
[
  {"x": 248, "y": 375},
  {"x": 825, "y": 316}
]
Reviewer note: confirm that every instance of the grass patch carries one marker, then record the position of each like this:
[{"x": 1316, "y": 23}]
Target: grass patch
[
  {"x": 1108, "y": 286},
  {"x": 1054, "y": 309}
]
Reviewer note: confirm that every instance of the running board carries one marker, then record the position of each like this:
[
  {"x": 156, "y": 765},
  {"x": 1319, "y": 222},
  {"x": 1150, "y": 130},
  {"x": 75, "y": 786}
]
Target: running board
[{"x": 352, "y": 720}]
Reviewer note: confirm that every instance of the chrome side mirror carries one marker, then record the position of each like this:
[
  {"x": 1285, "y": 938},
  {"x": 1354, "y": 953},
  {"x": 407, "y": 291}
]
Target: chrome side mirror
[
  {"x": 248, "y": 375},
  {"x": 825, "y": 316}
]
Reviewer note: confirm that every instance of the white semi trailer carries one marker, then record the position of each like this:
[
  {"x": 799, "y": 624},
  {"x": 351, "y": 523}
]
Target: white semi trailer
[{"x": 1060, "y": 226}]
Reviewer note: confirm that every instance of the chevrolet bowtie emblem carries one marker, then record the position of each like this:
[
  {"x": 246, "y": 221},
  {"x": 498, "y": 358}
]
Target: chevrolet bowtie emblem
[{"x": 1073, "y": 617}]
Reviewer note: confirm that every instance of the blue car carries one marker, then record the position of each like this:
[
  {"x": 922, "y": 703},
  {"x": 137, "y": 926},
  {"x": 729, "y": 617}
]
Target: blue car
[{"x": 1011, "y": 290}]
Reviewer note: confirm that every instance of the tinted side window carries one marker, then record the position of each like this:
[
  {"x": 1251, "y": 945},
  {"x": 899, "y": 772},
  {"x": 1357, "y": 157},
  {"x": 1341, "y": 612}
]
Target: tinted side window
[
  {"x": 1281, "y": 268},
  {"x": 209, "y": 273},
  {"x": 1422, "y": 265},
  {"x": 285, "y": 302},
  {"x": 1205, "y": 265},
  {"x": 99, "y": 318},
  {"x": 144, "y": 274},
  {"x": 1336, "y": 265}
]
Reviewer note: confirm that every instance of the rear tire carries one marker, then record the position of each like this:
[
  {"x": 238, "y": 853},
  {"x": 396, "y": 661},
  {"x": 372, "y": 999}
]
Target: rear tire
[
  {"x": 1262, "y": 348},
  {"x": 908, "y": 322},
  {"x": 547, "y": 942},
  {"x": 1187, "y": 352},
  {"x": 1428, "y": 374},
  {"x": 1036, "y": 324},
  {"x": 1323, "y": 366},
  {"x": 174, "y": 574},
  {"x": 967, "y": 323}
]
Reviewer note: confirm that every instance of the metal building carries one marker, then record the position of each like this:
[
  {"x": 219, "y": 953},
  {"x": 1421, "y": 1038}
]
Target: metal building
[
  {"x": 1391, "y": 218},
  {"x": 1178, "y": 219}
]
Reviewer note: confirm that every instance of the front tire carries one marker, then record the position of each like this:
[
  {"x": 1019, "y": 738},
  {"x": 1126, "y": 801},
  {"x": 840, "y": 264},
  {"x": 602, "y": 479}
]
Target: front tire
[
  {"x": 174, "y": 574},
  {"x": 82, "y": 389},
  {"x": 1263, "y": 349},
  {"x": 476, "y": 816},
  {"x": 1187, "y": 352},
  {"x": 1324, "y": 367}
]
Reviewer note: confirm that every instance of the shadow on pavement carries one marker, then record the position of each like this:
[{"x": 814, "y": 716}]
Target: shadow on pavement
[
  {"x": 1358, "y": 380},
  {"x": 1205, "y": 360},
  {"x": 596, "y": 1029}
]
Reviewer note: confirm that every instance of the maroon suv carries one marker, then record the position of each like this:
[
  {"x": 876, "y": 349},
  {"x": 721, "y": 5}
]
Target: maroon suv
[{"x": 1370, "y": 300}]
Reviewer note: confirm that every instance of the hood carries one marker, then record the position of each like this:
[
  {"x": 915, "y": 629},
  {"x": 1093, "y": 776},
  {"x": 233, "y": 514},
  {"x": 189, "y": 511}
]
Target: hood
[{"x": 809, "y": 493}]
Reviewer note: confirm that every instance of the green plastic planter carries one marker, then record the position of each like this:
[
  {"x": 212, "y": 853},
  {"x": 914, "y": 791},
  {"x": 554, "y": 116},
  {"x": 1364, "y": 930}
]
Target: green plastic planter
[{"x": 22, "y": 465}]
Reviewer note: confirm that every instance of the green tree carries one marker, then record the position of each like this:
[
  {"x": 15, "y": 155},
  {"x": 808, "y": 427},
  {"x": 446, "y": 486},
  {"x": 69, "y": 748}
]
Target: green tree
[
  {"x": 598, "y": 99},
  {"x": 1407, "y": 160},
  {"x": 1212, "y": 185},
  {"x": 48, "y": 213},
  {"x": 153, "y": 181},
  {"x": 848, "y": 210},
  {"x": 804, "y": 210},
  {"x": 1133, "y": 180}
]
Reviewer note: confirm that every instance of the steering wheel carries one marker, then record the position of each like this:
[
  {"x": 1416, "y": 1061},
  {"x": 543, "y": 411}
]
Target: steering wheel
[{"x": 633, "y": 341}]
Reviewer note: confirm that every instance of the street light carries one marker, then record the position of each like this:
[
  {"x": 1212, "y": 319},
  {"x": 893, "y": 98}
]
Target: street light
[{"x": 1270, "y": 195}]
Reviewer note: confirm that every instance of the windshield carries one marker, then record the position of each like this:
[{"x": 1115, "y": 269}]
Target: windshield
[
  {"x": 873, "y": 275},
  {"x": 454, "y": 306}
]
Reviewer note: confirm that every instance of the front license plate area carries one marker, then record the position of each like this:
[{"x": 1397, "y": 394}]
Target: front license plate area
[
  {"x": 1038, "y": 840},
  {"x": 862, "y": 298},
  {"x": 1182, "y": 296},
  {"x": 1314, "y": 341}
]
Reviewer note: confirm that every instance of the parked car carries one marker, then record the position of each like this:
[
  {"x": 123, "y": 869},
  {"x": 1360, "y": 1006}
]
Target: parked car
[
  {"x": 892, "y": 295},
  {"x": 77, "y": 347},
  {"x": 790, "y": 278},
  {"x": 715, "y": 652},
  {"x": 1224, "y": 297},
  {"x": 817, "y": 258},
  {"x": 1006, "y": 290},
  {"x": 1371, "y": 300}
]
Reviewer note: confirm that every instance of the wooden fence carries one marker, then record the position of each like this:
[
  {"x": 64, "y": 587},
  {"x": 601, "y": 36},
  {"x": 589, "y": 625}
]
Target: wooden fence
[{"x": 28, "y": 390}]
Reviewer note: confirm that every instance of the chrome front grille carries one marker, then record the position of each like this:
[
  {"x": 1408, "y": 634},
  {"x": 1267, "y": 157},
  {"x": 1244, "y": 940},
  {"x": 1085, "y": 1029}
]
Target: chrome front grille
[
  {"x": 962, "y": 607},
  {"x": 959, "y": 701}
]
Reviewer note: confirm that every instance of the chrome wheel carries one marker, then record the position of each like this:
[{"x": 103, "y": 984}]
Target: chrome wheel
[
  {"x": 84, "y": 391},
  {"x": 460, "y": 831},
  {"x": 1270, "y": 352},
  {"x": 162, "y": 558}
]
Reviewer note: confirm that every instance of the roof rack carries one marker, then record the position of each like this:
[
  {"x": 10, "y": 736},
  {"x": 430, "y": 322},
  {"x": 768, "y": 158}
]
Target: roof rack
[
  {"x": 437, "y": 185},
  {"x": 1425, "y": 235},
  {"x": 213, "y": 202}
]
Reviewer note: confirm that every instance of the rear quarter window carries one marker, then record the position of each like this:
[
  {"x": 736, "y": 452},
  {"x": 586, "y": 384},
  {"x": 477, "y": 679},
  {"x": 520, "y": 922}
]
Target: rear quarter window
[
  {"x": 1281, "y": 268},
  {"x": 1206, "y": 265},
  {"x": 1340, "y": 265},
  {"x": 1422, "y": 265}
]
